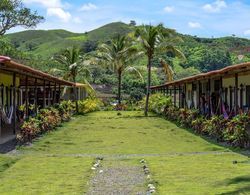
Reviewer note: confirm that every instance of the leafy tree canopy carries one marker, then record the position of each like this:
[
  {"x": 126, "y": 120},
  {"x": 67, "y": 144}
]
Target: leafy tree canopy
[{"x": 13, "y": 13}]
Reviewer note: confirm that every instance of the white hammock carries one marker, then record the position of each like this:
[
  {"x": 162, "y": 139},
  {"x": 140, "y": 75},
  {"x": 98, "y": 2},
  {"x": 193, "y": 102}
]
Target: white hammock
[{"x": 7, "y": 118}]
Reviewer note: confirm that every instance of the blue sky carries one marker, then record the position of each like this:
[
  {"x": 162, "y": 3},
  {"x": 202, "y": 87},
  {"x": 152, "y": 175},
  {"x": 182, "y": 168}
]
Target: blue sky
[{"x": 204, "y": 18}]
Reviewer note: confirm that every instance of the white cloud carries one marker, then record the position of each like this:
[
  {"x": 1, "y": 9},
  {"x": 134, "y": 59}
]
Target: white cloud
[
  {"x": 194, "y": 25},
  {"x": 168, "y": 9},
  {"x": 247, "y": 32},
  {"x": 215, "y": 6},
  {"x": 60, "y": 13},
  {"x": 45, "y": 3},
  {"x": 88, "y": 7}
]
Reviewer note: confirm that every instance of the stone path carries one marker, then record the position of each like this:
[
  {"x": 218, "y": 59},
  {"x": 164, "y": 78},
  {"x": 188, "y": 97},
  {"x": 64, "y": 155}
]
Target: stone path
[{"x": 118, "y": 178}]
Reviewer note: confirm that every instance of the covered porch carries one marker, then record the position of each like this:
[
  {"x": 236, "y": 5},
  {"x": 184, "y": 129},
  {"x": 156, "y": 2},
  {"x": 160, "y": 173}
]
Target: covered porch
[
  {"x": 23, "y": 91},
  {"x": 222, "y": 92}
]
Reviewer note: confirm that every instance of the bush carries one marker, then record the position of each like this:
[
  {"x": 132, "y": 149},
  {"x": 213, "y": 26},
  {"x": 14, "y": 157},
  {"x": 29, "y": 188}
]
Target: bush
[
  {"x": 236, "y": 131},
  {"x": 29, "y": 130},
  {"x": 90, "y": 104},
  {"x": 46, "y": 120},
  {"x": 157, "y": 103},
  {"x": 214, "y": 127}
]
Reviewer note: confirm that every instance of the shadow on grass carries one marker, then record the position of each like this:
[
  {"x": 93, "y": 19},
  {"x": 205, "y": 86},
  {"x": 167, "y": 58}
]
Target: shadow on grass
[{"x": 239, "y": 180}]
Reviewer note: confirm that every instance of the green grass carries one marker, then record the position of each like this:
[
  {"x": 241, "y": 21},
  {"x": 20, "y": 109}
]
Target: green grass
[{"x": 180, "y": 162}]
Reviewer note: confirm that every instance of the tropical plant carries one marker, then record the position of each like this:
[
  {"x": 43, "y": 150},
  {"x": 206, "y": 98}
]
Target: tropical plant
[
  {"x": 90, "y": 104},
  {"x": 156, "y": 39},
  {"x": 237, "y": 131},
  {"x": 118, "y": 56},
  {"x": 74, "y": 65}
]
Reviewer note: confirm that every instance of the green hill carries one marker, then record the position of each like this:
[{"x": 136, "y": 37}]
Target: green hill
[
  {"x": 46, "y": 43},
  {"x": 203, "y": 54}
]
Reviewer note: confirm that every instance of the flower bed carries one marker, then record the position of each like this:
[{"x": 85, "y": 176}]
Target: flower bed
[
  {"x": 234, "y": 131},
  {"x": 50, "y": 118}
]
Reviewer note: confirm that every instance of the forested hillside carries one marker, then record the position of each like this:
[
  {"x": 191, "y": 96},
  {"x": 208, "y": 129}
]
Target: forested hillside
[{"x": 37, "y": 47}]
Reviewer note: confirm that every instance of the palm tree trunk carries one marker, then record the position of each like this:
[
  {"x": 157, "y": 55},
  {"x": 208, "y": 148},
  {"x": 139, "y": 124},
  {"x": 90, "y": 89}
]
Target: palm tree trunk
[
  {"x": 75, "y": 96},
  {"x": 148, "y": 85},
  {"x": 119, "y": 87}
]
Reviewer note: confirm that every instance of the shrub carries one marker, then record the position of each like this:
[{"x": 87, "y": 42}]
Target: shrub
[
  {"x": 198, "y": 124},
  {"x": 49, "y": 118},
  {"x": 29, "y": 130},
  {"x": 236, "y": 131},
  {"x": 90, "y": 104},
  {"x": 214, "y": 127},
  {"x": 46, "y": 120},
  {"x": 157, "y": 103}
]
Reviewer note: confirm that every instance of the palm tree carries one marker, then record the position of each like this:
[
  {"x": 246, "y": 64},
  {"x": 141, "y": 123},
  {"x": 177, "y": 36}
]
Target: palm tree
[
  {"x": 156, "y": 39},
  {"x": 74, "y": 65},
  {"x": 117, "y": 56},
  {"x": 167, "y": 70}
]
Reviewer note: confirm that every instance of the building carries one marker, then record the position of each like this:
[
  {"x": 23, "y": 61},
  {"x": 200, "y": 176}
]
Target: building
[
  {"x": 225, "y": 91},
  {"x": 23, "y": 86}
]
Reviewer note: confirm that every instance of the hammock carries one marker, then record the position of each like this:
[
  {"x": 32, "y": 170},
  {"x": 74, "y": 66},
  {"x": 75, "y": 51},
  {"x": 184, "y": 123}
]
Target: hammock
[
  {"x": 7, "y": 118},
  {"x": 225, "y": 115}
]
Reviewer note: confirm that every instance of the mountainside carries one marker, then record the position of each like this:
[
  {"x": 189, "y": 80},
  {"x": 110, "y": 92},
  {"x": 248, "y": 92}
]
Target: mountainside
[{"x": 46, "y": 43}]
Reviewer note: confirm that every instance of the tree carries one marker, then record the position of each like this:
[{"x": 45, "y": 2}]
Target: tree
[
  {"x": 156, "y": 39},
  {"x": 132, "y": 23},
  {"x": 13, "y": 13},
  {"x": 74, "y": 65},
  {"x": 118, "y": 56}
]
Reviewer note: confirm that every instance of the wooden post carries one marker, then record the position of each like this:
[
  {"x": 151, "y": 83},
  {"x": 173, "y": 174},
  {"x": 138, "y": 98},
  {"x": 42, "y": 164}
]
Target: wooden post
[
  {"x": 241, "y": 96},
  {"x": 54, "y": 94},
  {"x": 179, "y": 96},
  {"x": 199, "y": 96},
  {"x": 221, "y": 94},
  {"x": 185, "y": 92},
  {"x": 174, "y": 96},
  {"x": 59, "y": 94},
  {"x": 231, "y": 98},
  {"x": 49, "y": 95},
  {"x": 236, "y": 93},
  {"x": 170, "y": 94},
  {"x": 1, "y": 105},
  {"x": 44, "y": 94},
  {"x": 14, "y": 103},
  {"x": 26, "y": 97},
  {"x": 35, "y": 96},
  {"x": 209, "y": 97}
]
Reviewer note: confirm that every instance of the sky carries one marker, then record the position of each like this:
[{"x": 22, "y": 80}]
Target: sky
[{"x": 204, "y": 18}]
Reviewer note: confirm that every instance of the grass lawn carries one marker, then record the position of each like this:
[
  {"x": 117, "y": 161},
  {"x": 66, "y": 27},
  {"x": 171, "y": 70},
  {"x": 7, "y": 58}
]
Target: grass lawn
[{"x": 180, "y": 162}]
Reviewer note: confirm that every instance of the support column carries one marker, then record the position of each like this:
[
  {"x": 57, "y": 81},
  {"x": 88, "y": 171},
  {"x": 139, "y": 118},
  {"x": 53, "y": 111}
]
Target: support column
[
  {"x": 199, "y": 95},
  {"x": 35, "y": 96},
  {"x": 236, "y": 94},
  {"x": 54, "y": 94},
  {"x": 174, "y": 96},
  {"x": 59, "y": 95},
  {"x": 221, "y": 94},
  {"x": 231, "y": 98},
  {"x": 209, "y": 97},
  {"x": 179, "y": 96},
  {"x": 49, "y": 95},
  {"x": 26, "y": 97},
  {"x": 241, "y": 96},
  {"x": 14, "y": 103},
  {"x": 185, "y": 92},
  {"x": 44, "y": 94}
]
